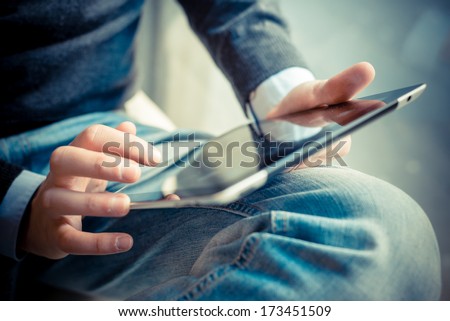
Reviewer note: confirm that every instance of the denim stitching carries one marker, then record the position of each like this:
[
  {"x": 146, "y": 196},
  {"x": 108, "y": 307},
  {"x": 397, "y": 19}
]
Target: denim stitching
[
  {"x": 242, "y": 260},
  {"x": 246, "y": 254},
  {"x": 221, "y": 208},
  {"x": 250, "y": 209}
]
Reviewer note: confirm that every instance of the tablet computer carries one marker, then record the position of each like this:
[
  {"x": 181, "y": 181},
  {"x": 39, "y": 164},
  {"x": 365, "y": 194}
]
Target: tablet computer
[{"x": 224, "y": 169}]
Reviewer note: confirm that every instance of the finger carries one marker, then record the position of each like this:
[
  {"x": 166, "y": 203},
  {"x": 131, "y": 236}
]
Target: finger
[
  {"x": 99, "y": 185},
  {"x": 102, "y": 138},
  {"x": 127, "y": 127},
  {"x": 96, "y": 185},
  {"x": 337, "y": 89},
  {"x": 341, "y": 114},
  {"x": 351, "y": 110},
  {"x": 70, "y": 161},
  {"x": 346, "y": 84},
  {"x": 326, "y": 155},
  {"x": 73, "y": 241},
  {"x": 61, "y": 201}
]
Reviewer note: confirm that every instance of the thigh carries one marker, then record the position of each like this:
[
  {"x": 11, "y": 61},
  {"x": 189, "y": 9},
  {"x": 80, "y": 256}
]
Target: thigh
[
  {"x": 322, "y": 233},
  {"x": 167, "y": 243}
]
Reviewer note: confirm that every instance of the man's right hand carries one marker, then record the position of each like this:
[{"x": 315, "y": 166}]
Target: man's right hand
[{"x": 75, "y": 187}]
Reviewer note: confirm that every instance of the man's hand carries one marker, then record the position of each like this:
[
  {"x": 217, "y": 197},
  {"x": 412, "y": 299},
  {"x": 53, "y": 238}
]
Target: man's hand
[
  {"x": 75, "y": 187},
  {"x": 320, "y": 93}
]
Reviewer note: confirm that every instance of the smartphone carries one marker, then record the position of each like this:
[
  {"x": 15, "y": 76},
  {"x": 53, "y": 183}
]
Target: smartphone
[{"x": 226, "y": 168}]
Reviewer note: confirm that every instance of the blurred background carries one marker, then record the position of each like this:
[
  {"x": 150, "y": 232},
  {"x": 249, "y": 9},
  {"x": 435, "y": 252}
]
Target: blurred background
[{"x": 408, "y": 42}]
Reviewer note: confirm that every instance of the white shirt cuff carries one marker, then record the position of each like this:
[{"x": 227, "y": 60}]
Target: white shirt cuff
[
  {"x": 12, "y": 209},
  {"x": 270, "y": 92}
]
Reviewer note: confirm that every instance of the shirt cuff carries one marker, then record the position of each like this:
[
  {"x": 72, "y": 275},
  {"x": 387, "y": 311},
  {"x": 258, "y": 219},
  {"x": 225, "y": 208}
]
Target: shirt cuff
[
  {"x": 270, "y": 92},
  {"x": 13, "y": 208}
]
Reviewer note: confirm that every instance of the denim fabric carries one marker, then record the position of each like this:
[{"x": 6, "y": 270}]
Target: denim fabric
[{"x": 319, "y": 233}]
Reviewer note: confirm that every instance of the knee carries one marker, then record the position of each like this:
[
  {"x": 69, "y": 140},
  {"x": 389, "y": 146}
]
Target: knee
[
  {"x": 410, "y": 253},
  {"x": 404, "y": 255}
]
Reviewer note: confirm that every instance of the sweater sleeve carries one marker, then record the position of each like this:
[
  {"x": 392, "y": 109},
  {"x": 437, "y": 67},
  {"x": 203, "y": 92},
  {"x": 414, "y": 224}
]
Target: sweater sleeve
[
  {"x": 17, "y": 188},
  {"x": 248, "y": 40},
  {"x": 8, "y": 173}
]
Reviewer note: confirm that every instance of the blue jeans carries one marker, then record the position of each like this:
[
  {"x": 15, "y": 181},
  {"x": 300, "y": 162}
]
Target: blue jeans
[{"x": 326, "y": 233}]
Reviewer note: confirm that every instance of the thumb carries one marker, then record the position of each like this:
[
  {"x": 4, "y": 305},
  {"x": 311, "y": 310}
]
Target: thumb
[{"x": 337, "y": 89}]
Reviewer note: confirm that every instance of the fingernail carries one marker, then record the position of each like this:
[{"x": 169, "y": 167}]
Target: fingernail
[{"x": 124, "y": 243}]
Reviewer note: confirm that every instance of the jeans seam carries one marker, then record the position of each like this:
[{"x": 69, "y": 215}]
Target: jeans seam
[
  {"x": 244, "y": 257},
  {"x": 240, "y": 208},
  {"x": 221, "y": 208},
  {"x": 249, "y": 209},
  {"x": 242, "y": 260}
]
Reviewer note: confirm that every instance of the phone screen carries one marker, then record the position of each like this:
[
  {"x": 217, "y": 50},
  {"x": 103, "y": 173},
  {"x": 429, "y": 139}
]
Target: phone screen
[{"x": 272, "y": 145}]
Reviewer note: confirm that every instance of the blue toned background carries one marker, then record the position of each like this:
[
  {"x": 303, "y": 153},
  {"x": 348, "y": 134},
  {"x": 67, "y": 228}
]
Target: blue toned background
[{"x": 408, "y": 42}]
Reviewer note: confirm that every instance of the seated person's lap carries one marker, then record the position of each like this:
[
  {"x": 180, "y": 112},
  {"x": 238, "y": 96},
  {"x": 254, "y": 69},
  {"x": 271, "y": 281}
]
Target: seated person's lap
[{"x": 317, "y": 233}]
